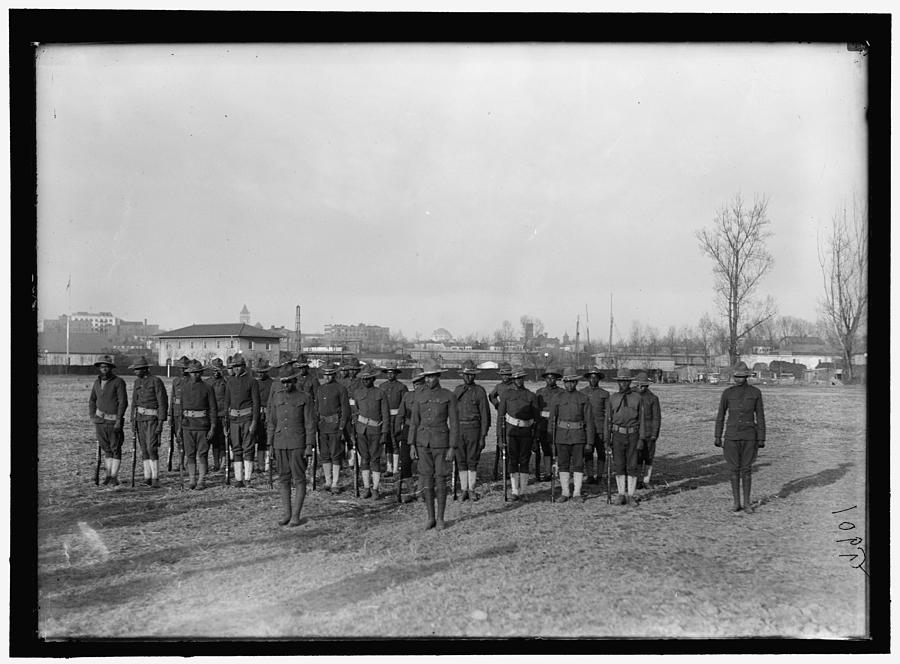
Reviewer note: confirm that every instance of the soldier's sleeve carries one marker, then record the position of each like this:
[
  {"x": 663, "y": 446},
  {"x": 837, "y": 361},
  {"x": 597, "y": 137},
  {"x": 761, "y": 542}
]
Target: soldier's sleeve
[
  {"x": 642, "y": 419},
  {"x": 122, "y": 393},
  {"x": 494, "y": 398},
  {"x": 485, "y": 411},
  {"x": 227, "y": 398},
  {"x": 213, "y": 406},
  {"x": 254, "y": 397},
  {"x": 385, "y": 414},
  {"x": 453, "y": 417},
  {"x": 720, "y": 416},
  {"x": 589, "y": 420},
  {"x": 657, "y": 418},
  {"x": 309, "y": 415},
  {"x": 501, "y": 410},
  {"x": 172, "y": 399},
  {"x": 162, "y": 398},
  {"x": 271, "y": 419},
  {"x": 134, "y": 399},
  {"x": 760, "y": 418},
  {"x": 92, "y": 401},
  {"x": 401, "y": 411},
  {"x": 414, "y": 422},
  {"x": 345, "y": 407}
]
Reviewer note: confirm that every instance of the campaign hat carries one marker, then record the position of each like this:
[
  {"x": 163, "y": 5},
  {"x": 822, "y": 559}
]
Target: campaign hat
[
  {"x": 624, "y": 375},
  {"x": 237, "y": 360},
  {"x": 140, "y": 363},
  {"x": 552, "y": 371},
  {"x": 262, "y": 365},
  {"x": 431, "y": 366},
  {"x": 468, "y": 367},
  {"x": 571, "y": 373},
  {"x": 641, "y": 378},
  {"x": 505, "y": 369},
  {"x": 330, "y": 368},
  {"x": 593, "y": 370},
  {"x": 106, "y": 359},
  {"x": 518, "y": 372},
  {"x": 740, "y": 370},
  {"x": 194, "y": 366}
]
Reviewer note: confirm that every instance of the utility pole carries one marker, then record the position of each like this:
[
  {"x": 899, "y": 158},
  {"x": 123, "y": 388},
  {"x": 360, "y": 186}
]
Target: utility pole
[
  {"x": 609, "y": 347},
  {"x": 577, "y": 335},
  {"x": 297, "y": 330}
]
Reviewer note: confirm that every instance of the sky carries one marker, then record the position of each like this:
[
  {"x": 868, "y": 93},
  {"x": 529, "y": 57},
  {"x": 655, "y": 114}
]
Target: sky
[{"x": 419, "y": 186}]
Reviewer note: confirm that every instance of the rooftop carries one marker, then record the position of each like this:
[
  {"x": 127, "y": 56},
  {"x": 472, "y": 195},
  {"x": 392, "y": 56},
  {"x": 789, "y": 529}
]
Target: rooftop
[{"x": 221, "y": 330}]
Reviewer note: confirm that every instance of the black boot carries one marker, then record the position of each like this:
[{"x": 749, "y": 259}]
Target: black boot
[
  {"x": 192, "y": 473},
  {"x": 441, "y": 505},
  {"x": 297, "y": 503},
  {"x": 745, "y": 480},
  {"x": 428, "y": 494},
  {"x": 736, "y": 492},
  {"x": 202, "y": 468},
  {"x": 284, "y": 491}
]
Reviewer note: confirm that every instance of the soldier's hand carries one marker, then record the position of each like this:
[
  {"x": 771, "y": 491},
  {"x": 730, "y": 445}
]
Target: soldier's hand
[
  {"x": 271, "y": 441},
  {"x": 384, "y": 438},
  {"x": 718, "y": 442},
  {"x": 652, "y": 439},
  {"x": 589, "y": 450},
  {"x": 119, "y": 424},
  {"x": 448, "y": 457},
  {"x": 761, "y": 443},
  {"x": 252, "y": 428},
  {"x": 640, "y": 444},
  {"x": 482, "y": 443},
  {"x": 413, "y": 454},
  {"x": 308, "y": 451},
  {"x": 209, "y": 435},
  {"x": 608, "y": 448}
]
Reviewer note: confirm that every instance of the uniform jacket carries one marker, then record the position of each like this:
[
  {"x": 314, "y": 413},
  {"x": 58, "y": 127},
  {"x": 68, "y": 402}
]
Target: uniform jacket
[
  {"x": 520, "y": 403},
  {"x": 746, "y": 419},
  {"x": 626, "y": 410},
  {"x": 351, "y": 385},
  {"x": 372, "y": 402},
  {"x": 599, "y": 399},
  {"x": 472, "y": 404},
  {"x": 242, "y": 392},
  {"x": 198, "y": 396},
  {"x": 497, "y": 392},
  {"x": 218, "y": 388},
  {"x": 545, "y": 397},
  {"x": 110, "y": 397},
  {"x": 404, "y": 412},
  {"x": 308, "y": 383},
  {"x": 175, "y": 403},
  {"x": 652, "y": 415},
  {"x": 435, "y": 418},
  {"x": 571, "y": 408},
  {"x": 332, "y": 407},
  {"x": 149, "y": 392},
  {"x": 265, "y": 385},
  {"x": 290, "y": 424},
  {"x": 394, "y": 390}
]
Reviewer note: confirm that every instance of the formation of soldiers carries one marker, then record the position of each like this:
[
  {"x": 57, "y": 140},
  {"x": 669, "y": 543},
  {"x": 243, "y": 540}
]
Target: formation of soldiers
[{"x": 298, "y": 427}]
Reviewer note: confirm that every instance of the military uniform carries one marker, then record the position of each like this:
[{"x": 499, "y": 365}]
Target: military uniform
[
  {"x": 218, "y": 384},
  {"x": 149, "y": 409},
  {"x": 373, "y": 422},
  {"x": 242, "y": 402},
  {"x": 106, "y": 408},
  {"x": 494, "y": 399},
  {"x": 652, "y": 422},
  {"x": 571, "y": 426},
  {"x": 264, "y": 383},
  {"x": 545, "y": 396},
  {"x": 474, "y": 422},
  {"x": 518, "y": 414},
  {"x": 745, "y": 432},
  {"x": 408, "y": 466},
  {"x": 433, "y": 439},
  {"x": 627, "y": 428},
  {"x": 394, "y": 391},
  {"x": 291, "y": 430},
  {"x": 198, "y": 420},
  {"x": 332, "y": 410},
  {"x": 351, "y": 383},
  {"x": 599, "y": 399},
  {"x": 175, "y": 407}
]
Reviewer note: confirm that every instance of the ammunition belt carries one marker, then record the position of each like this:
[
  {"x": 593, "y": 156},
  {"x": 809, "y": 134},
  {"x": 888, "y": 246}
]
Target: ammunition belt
[
  {"x": 194, "y": 413},
  {"x": 517, "y": 422},
  {"x": 395, "y": 411},
  {"x": 147, "y": 411},
  {"x": 106, "y": 416},
  {"x": 329, "y": 418},
  {"x": 618, "y": 429},
  {"x": 545, "y": 413},
  {"x": 234, "y": 412},
  {"x": 562, "y": 424},
  {"x": 369, "y": 422}
]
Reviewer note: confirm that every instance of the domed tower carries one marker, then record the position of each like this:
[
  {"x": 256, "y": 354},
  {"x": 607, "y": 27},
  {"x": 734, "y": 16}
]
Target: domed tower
[{"x": 245, "y": 315}]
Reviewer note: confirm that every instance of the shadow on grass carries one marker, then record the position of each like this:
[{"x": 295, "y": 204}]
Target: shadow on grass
[{"x": 822, "y": 478}]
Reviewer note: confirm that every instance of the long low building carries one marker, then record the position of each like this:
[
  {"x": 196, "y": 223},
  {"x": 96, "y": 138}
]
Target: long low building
[{"x": 218, "y": 340}]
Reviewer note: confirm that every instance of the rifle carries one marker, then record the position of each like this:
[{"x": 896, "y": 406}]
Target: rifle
[
  {"x": 536, "y": 444},
  {"x": 355, "y": 464},
  {"x": 497, "y": 454},
  {"x": 97, "y": 468},
  {"x": 227, "y": 454},
  {"x": 133, "y": 451},
  {"x": 315, "y": 463},
  {"x": 399, "y": 470},
  {"x": 554, "y": 468},
  {"x": 171, "y": 442},
  {"x": 608, "y": 475},
  {"x": 181, "y": 463},
  {"x": 501, "y": 441},
  {"x": 455, "y": 477}
]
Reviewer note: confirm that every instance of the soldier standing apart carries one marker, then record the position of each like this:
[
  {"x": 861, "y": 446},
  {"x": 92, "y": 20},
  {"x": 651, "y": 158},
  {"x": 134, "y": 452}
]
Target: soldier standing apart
[
  {"x": 545, "y": 396},
  {"x": 517, "y": 414},
  {"x": 217, "y": 383},
  {"x": 198, "y": 421},
  {"x": 474, "y": 422},
  {"x": 291, "y": 430},
  {"x": 394, "y": 391},
  {"x": 242, "y": 418},
  {"x": 572, "y": 430},
  {"x": 652, "y": 421},
  {"x": 599, "y": 399},
  {"x": 401, "y": 433},
  {"x": 149, "y": 403},
  {"x": 433, "y": 439},
  {"x": 175, "y": 407},
  {"x": 373, "y": 420},
  {"x": 745, "y": 434},
  {"x": 627, "y": 425},
  {"x": 264, "y": 383},
  {"x": 332, "y": 410},
  {"x": 106, "y": 407}
]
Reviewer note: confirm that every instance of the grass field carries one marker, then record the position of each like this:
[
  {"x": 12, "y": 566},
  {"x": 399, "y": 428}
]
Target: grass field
[{"x": 161, "y": 562}]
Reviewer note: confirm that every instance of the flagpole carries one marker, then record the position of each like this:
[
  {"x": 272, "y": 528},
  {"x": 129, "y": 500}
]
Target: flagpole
[{"x": 68, "y": 318}]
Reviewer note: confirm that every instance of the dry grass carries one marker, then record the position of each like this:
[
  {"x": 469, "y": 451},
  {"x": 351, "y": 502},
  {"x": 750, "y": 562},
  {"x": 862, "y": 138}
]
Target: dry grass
[{"x": 143, "y": 562}]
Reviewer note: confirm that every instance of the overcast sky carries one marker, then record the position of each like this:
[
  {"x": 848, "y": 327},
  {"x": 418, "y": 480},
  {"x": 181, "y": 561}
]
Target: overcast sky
[{"x": 426, "y": 186}]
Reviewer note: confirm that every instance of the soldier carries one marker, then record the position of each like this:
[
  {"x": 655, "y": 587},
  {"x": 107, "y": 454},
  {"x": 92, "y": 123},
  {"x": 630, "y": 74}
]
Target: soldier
[
  {"x": 517, "y": 414},
  {"x": 745, "y": 434},
  {"x": 627, "y": 427},
  {"x": 545, "y": 396},
  {"x": 291, "y": 429},
  {"x": 264, "y": 383},
  {"x": 305, "y": 381},
  {"x": 332, "y": 411},
  {"x": 401, "y": 432},
  {"x": 106, "y": 408},
  {"x": 242, "y": 418},
  {"x": 394, "y": 391},
  {"x": 571, "y": 430},
  {"x": 647, "y": 446},
  {"x": 599, "y": 399},
  {"x": 149, "y": 405},
  {"x": 474, "y": 422},
  {"x": 351, "y": 382},
  {"x": 373, "y": 422},
  {"x": 494, "y": 398},
  {"x": 433, "y": 439},
  {"x": 198, "y": 421},
  {"x": 217, "y": 383},
  {"x": 175, "y": 406}
]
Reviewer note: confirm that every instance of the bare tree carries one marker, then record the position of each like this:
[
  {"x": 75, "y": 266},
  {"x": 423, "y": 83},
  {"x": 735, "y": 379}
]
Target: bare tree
[
  {"x": 505, "y": 334},
  {"x": 537, "y": 325},
  {"x": 845, "y": 265},
  {"x": 736, "y": 243}
]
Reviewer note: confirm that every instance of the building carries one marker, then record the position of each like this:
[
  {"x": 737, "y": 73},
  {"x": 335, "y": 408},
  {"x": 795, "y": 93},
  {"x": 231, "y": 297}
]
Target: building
[
  {"x": 100, "y": 322},
  {"x": 84, "y": 349},
  {"x": 218, "y": 340},
  {"x": 367, "y": 337},
  {"x": 245, "y": 315}
]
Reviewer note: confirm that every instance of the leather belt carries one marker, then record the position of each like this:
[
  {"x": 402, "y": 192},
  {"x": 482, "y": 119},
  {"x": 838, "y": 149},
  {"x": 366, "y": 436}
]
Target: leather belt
[
  {"x": 234, "y": 412},
  {"x": 106, "y": 416},
  {"x": 470, "y": 421},
  {"x": 562, "y": 424},
  {"x": 147, "y": 411},
  {"x": 519, "y": 423},
  {"x": 194, "y": 413},
  {"x": 329, "y": 418},
  {"x": 369, "y": 422},
  {"x": 395, "y": 411},
  {"x": 545, "y": 413},
  {"x": 352, "y": 402},
  {"x": 618, "y": 429}
]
